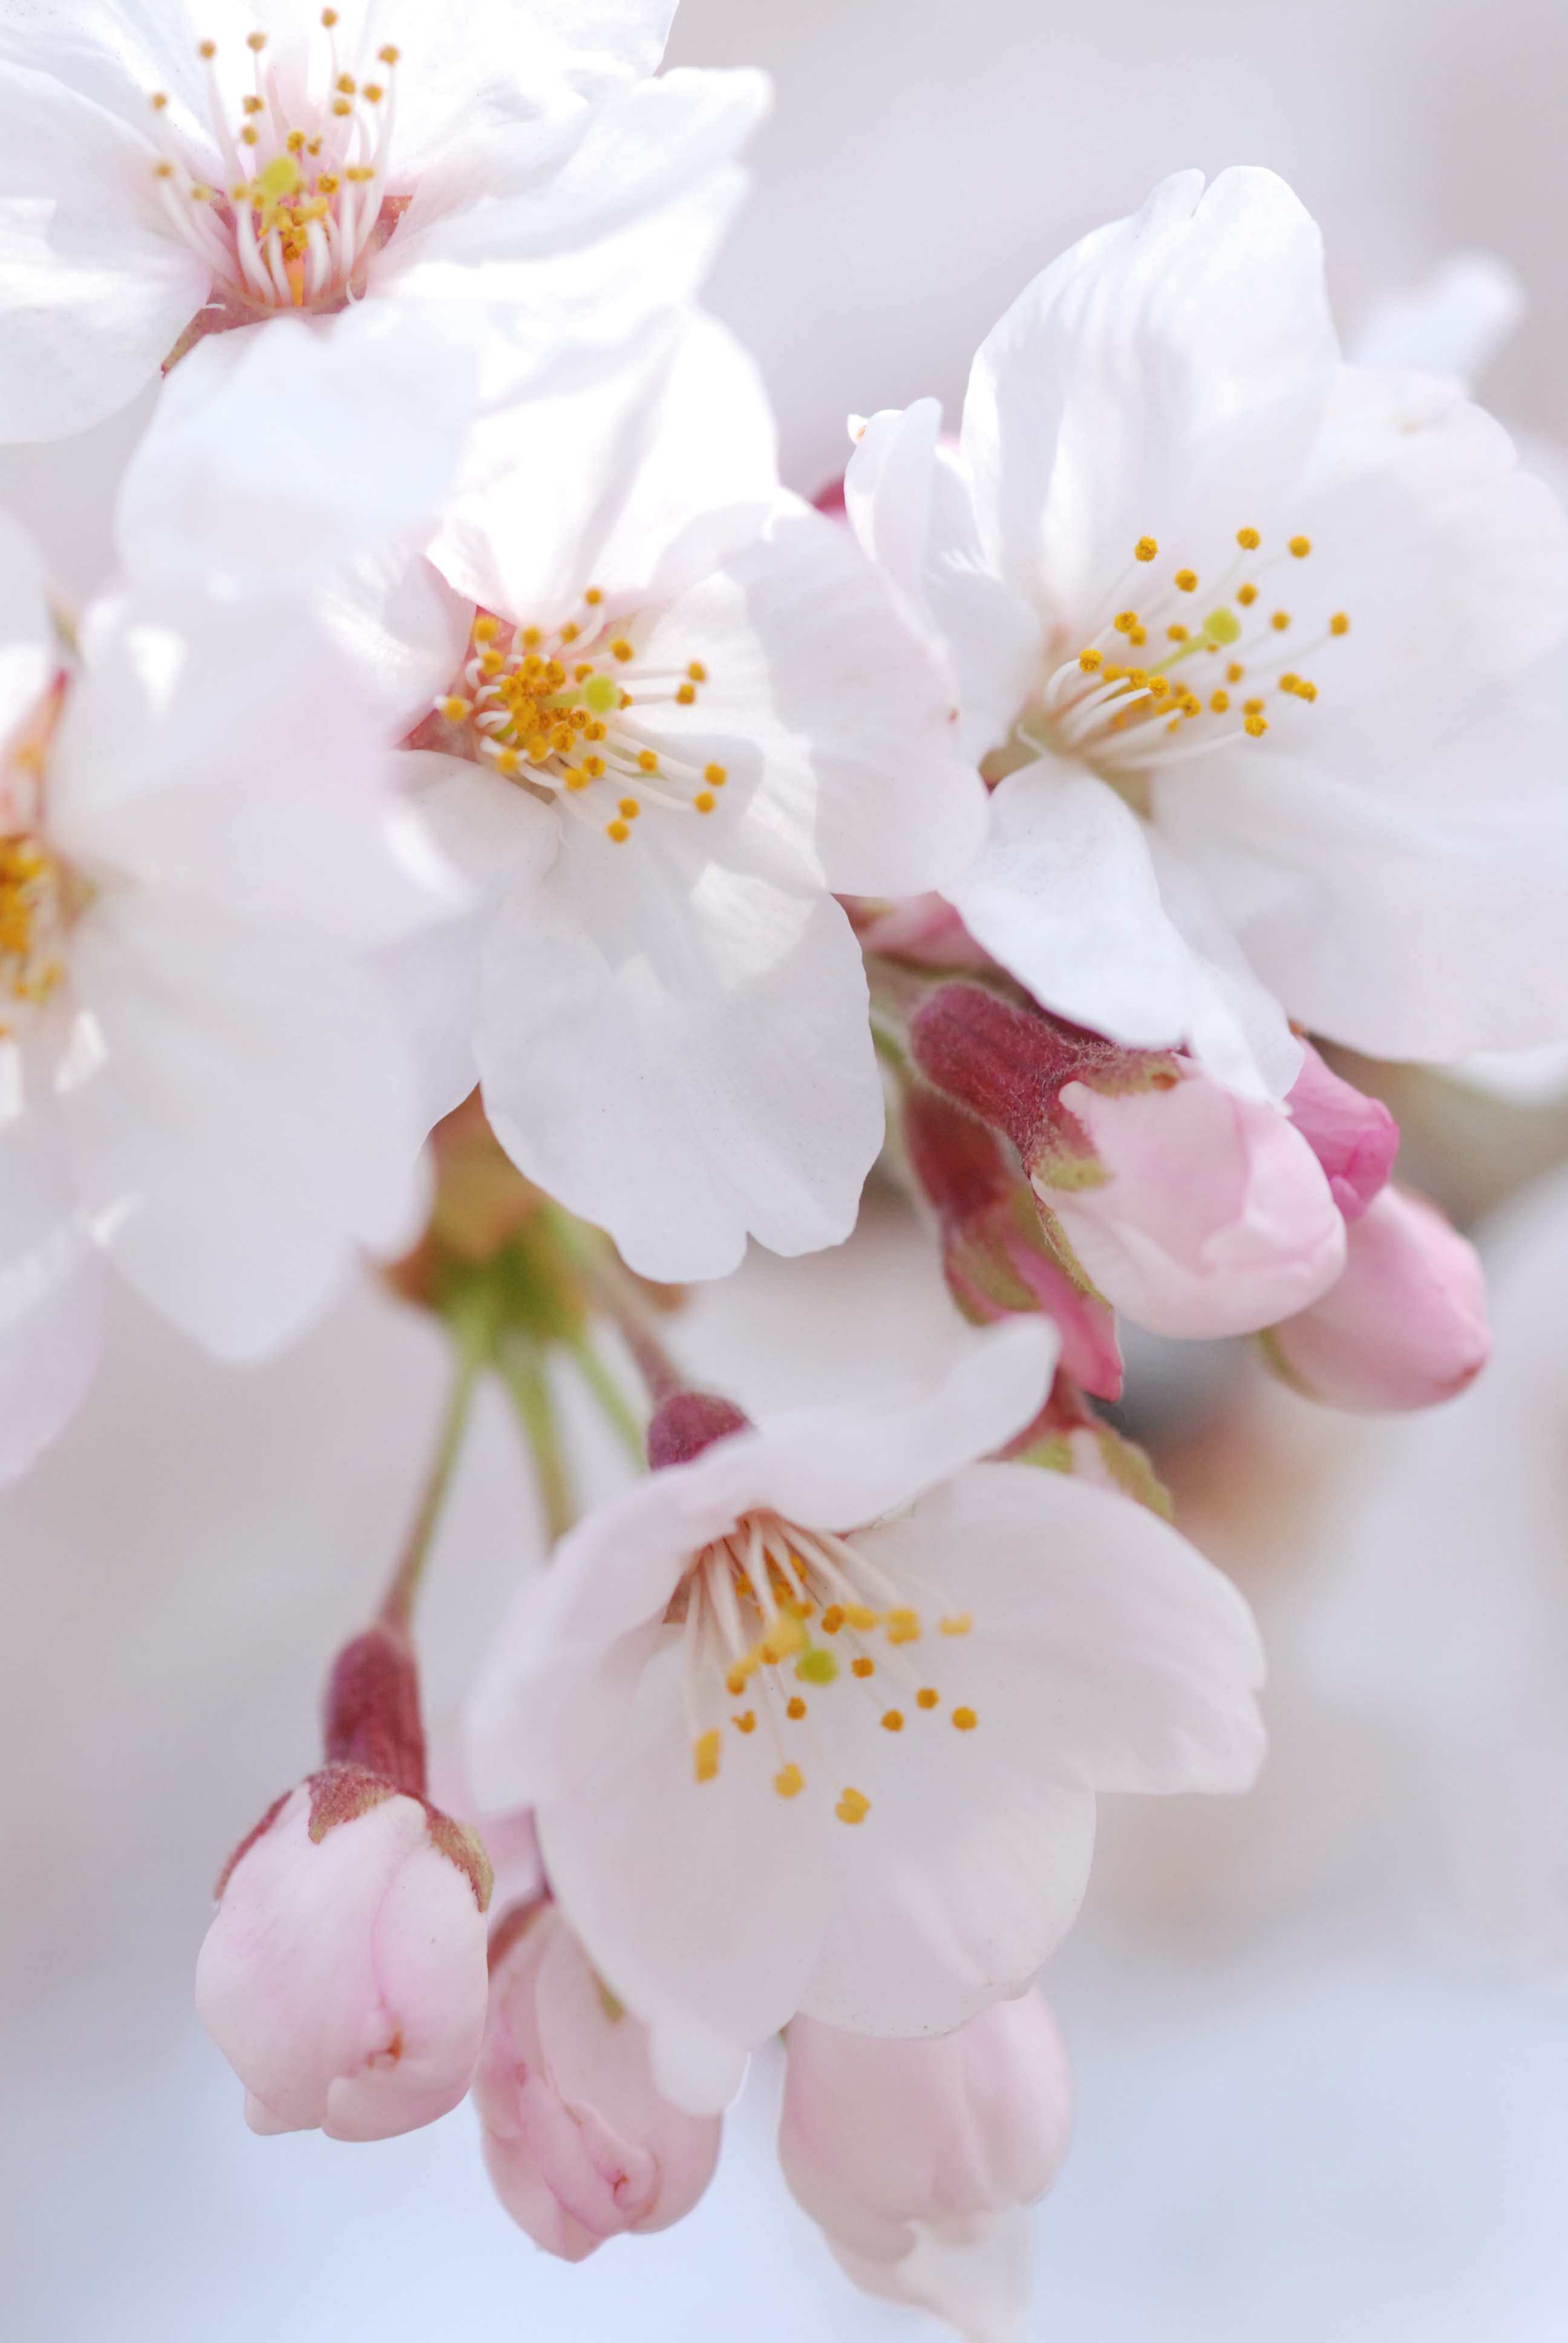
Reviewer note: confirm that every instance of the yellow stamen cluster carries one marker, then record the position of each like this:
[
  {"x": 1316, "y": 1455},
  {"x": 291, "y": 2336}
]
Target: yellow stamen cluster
[{"x": 32, "y": 922}]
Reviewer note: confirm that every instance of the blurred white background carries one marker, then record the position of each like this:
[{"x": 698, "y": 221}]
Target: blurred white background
[{"x": 1321, "y": 2040}]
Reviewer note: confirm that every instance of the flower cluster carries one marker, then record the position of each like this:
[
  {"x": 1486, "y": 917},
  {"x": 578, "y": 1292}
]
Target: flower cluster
[{"x": 488, "y": 820}]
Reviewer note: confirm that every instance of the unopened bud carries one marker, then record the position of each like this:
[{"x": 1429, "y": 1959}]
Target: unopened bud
[
  {"x": 687, "y": 1423},
  {"x": 1354, "y": 1137},
  {"x": 1404, "y": 1327},
  {"x": 579, "y": 2143}
]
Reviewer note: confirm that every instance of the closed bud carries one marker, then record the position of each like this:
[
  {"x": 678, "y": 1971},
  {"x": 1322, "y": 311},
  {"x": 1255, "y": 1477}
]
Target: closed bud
[
  {"x": 577, "y": 2141},
  {"x": 917, "y": 2157},
  {"x": 1404, "y": 1327},
  {"x": 1354, "y": 1137}
]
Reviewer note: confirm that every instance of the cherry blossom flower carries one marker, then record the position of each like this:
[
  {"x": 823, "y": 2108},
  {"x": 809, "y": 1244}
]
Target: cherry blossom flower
[
  {"x": 918, "y": 2157},
  {"x": 1244, "y": 638},
  {"x": 166, "y": 170},
  {"x": 782, "y": 1761},
  {"x": 578, "y": 2142},
  {"x": 202, "y": 850},
  {"x": 690, "y": 716}
]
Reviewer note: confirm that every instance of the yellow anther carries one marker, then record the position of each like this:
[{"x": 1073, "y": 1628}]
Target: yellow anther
[
  {"x": 1175, "y": 725},
  {"x": 862, "y": 1667},
  {"x": 1219, "y": 702},
  {"x": 1138, "y": 636},
  {"x": 561, "y": 737},
  {"x": 685, "y": 695},
  {"x": 374, "y": 93},
  {"x": 252, "y": 106},
  {"x": 327, "y": 184},
  {"x": 746, "y": 1722},
  {"x": 1089, "y": 661},
  {"x": 1246, "y": 595},
  {"x": 1339, "y": 624},
  {"x": 928, "y": 1696},
  {"x": 1137, "y": 676},
  {"x": 617, "y": 830},
  {"x": 629, "y": 809},
  {"x": 1187, "y": 581},
  {"x": 1114, "y": 674},
  {"x": 785, "y": 1635},
  {"x": 530, "y": 637},
  {"x": 647, "y": 760},
  {"x": 853, "y": 1806},
  {"x": 162, "y": 170},
  {"x": 797, "y": 1706},
  {"x": 1280, "y": 621},
  {"x": 965, "y": 1719},
  {"x": 207, "y": 49},
  {"x": 620, "y": 648},
  {"x": 705, "y": 1753},
  {"x": 703, "y": 800},
  {"x": 1235, "y": 671},
  {"x": 593, "y": 597},
  {"x": 1290, "y": 683},
  {"x": 578, "y": 717},
  {"x": 832, "y": 1619},
  {"x": 860, "y": 1616},
  {"x": 1305, "y": 691},
  {"x": 507, "y": 761},
  {"x": 536, "y": 747},
  {"x": 160, "y": 98},
  {"x": 330, "y": 18},
  {"x": 247, "y": 136},
  {"x": 555, "y": 673},
  {"x": 1159, "y": 685},
  {"x": 957, "y": 1623},
  {"x": 903, "y": 1626},
  {"x": 340, "y": 105},
  {"x": 1145, "y": 549},
  {"x": 1252, "y": 708},
  {"x": 575, "y": 777},
  {"x": 296, "y": 142},
  {"x": 455, "y": 709},
  {"x": 581, "y": 674},
  {"x": 1247, "y": 540},
  {"x": 1176, "y": 634},
  {"x": 344, "y": 85},
  {"x": 388, "y": 55},
  {"x": 593, "y": 767},
  {"x": 1124, "y": 622},
  {"x": 697, "y": 671},
  {"x": 486, "y": 629},
  {"x": 789, "y": 1783},
  {"x": 1257, "y": 726},
  {"x": 714, "y": 775},
  {"x": 1300, "y": 547},
  {"x": 257, "y": 41},
  {"x": 569, "y": 632},
  {"x": 892, "y": 1721}
]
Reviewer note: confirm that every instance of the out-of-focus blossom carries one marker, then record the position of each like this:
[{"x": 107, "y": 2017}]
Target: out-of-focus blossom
[
  {"x": 918, "y": 2157},
  {"x": 167, "y": 171},
  {"x": 1354, "y": 1137},
  {"x": 202, "y": 850},
  {"x": 579, "y": 2141},
  {"x": 698, "y": 716},
  {"x": 781, "y": 1762},
  {"x": 1238, "y": 631},
  {"x": 1197, "y": 1211},
  {"x": 1405, "y": 1326},
  {"x": 344, "y": 1978}
]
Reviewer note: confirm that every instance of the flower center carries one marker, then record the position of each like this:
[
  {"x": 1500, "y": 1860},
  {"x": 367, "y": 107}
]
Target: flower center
[
  {"x": 38, "y": 892},
  {"x": 298, "y": 202},
  {"x": 1153, "y": 688},
  {"x": 782, "y": 1618},
  {"x": 553, "y": 711}
]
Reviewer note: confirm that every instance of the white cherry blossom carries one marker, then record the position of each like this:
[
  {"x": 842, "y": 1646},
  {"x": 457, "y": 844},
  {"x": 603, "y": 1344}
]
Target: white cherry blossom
[
  {"x": 690, "y": 714},
  {"x": 166, "y": 169},
  {"x": 1245, "y": 636},
  {"x": 814, "y": 1721}
]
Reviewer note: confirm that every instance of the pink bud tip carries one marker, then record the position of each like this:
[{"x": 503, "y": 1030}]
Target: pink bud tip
[
  {"x": 689, "y": 1422},
  {"x": 1355, "y": 1137}
]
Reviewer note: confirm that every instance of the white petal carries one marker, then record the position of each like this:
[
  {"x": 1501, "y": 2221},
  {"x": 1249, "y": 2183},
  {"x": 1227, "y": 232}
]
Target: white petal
[
  {"x": 29, "y": 649},
  {"x": 394, "y": 620},
  {"x": 977, "y": 2284},
  {"x": 96, "y": 289},
  {"x": 51, "y": 1281},
  {"x": 1170, "y": 367}
]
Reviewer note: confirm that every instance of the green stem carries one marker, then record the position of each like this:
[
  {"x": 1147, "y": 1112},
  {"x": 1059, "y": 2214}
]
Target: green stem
[
  {"x": 608, "y": 1393},
  {"x": 521, "y": 1369},
  {"x": 599, "y": 1266},
  {"x": 397, "y": 1608}
]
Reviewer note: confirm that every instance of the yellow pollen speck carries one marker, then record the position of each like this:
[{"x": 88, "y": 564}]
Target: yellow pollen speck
[
  {"x": 617, "y": 830},
  {"x": 1220, "y": 701},
  {"x": 714, "y": 775},
  {"x": 1280, "y": 621},
  {"x": 1339, "y": 624},
  {"x": 862, "y": 1667},
  {"x": 853, "y": 1806},
  {"x": 629, "y": 809},
  {"x": 1247, "y": 540},
  {"x": 1176, "y": 634},
  {"x": 789, "y": 1783},
  {"x": 621, "y": 647},
  {"x": 1246, "y": 595},
  {"x": 685, "y": 695},
  {"x": 647, "y": 760},
  {"x": 957, "y": 1623},
  {"x": 1234, "y": 672},
  {"x": 832, "y": 1619},
  {"x": 1187, "y": 581},
  {"x": 965, "y": 1719},
  {"x": 903, "y": 1626},
  {"x": 705, "y": 1752},
  {"x": 1088, "y": 660},
  {"x": 1145, "y": 549},
  {"x": 1300, "y": 547},
  {"x": 892, "y": 1721},
  {"x": 927, "y": 1698},
  {"x": 1124, "y": 622},
  {"x": 1257, "y": 726},
  {"x": 746, "y": 1722},
  {"x": 703, "y": 800}
]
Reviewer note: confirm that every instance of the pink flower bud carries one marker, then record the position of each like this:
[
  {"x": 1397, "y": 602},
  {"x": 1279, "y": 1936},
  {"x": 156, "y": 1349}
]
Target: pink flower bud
[
  {"x": 1406, "y": 1324},
  {"x": 994, "y": 1249},
  {"x": 914, "y": 2155},
  {"x": 579, "y": 2143},
  {"x": 1211, "y": 1215},
  {"x": 923, "y": 929},
  {"x": 344, "y": 1976},
  {"x": 1354, "y": 1137}
]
